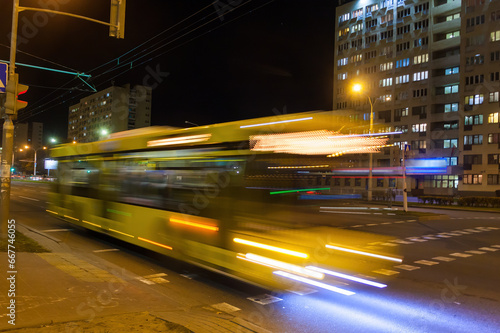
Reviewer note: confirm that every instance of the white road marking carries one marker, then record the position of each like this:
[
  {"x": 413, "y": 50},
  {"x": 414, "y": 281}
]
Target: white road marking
[
  {"x": 357, "y": 225},
  {"x": 475, "y": 252},
  {"x": 355, "y": 213},
  {"x": 386, "y": 223},
  {"x": 264, "y": 299},
  {"x": 407, "y": 267},
  {"x": 28, "y": 198},
  {"x": 496, "y": 246},
  {"x": 443, "y": 258},
  {"x": 488, "y": 249},
  {"x": 429, "y": 237},
  {"x": 399, "y": 222},
  {"x": 400, "y": 241},
  {"x": 371, "y": 224},
  {"x": 389, "y": 244},
  {"x": 416, "y": 239},
  {"x": 462, "y": 255},
  {"x": 225, "y": 307},
  {"x": 426, "y": 262},
  {"x": 155, "y": 275},
  {"x": 411, "y": 221},
  {"x": 189, "y": 276},
  {"x": 105, "y": 250},
  {"x": 159, "y": 280},
  {"x": 146, "y": 281}
]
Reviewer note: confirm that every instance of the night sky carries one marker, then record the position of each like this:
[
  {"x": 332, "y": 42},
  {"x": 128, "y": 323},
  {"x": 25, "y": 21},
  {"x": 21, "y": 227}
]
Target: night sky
[{"x": 263, "y": 55}]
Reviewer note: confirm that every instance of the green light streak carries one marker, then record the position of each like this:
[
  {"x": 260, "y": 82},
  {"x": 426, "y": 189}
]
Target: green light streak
[
  {"x": 301, "y": 190},
  {"x": 118, "y": 212}
]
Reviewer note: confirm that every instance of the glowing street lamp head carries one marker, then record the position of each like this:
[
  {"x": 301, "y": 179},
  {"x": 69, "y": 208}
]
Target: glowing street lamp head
[
  {"x": 104, "y": 132},
  {"x": 357, "y": 87},
  {"x": 26, "y": 147},
  {"x": 53, "y": 140}
]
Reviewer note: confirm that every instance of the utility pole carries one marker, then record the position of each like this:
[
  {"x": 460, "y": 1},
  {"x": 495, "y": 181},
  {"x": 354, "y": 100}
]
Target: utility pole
[
  {"x": 8, "y": 132},
  {"x": 12, "y": 105}
]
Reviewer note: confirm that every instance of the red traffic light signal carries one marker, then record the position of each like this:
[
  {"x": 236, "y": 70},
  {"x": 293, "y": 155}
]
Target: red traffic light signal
[{"x": 13, "y": 90}]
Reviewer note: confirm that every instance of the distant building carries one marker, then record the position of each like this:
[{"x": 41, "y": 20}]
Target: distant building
[
  {"x": 431, "y": 69},
  {"x": 28, "y": 134},
  {"x": 111, "y": 110}
]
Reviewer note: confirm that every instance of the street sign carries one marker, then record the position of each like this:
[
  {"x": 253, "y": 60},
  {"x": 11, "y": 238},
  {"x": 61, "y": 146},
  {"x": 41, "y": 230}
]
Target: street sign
[
  {"x": 407, "y": 147},
  {"x": 4, "y": 68}
]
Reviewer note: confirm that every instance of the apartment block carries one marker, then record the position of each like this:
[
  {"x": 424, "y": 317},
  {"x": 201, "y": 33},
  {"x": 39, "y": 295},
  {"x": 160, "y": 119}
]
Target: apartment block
[
  {"x": 430, "y": 70},
  {"x": 111, "y": 110}
]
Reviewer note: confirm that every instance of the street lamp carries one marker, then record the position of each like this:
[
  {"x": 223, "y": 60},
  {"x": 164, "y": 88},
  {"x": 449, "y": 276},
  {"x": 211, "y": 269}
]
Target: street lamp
[
  {"x": 34, "y": 158},
  {"x": 358, "y": 88}
]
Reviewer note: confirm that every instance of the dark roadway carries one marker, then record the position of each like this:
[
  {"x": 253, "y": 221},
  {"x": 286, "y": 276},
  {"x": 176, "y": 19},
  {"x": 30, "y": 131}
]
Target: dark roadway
[{"x": 449, "y": 280}]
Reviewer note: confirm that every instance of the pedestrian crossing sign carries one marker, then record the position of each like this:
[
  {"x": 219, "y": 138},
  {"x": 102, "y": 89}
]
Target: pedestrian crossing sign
[{"x": 3, "y": 76}]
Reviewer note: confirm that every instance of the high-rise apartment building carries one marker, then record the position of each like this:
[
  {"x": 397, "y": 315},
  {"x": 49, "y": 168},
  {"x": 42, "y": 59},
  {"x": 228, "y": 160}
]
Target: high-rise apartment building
[
  {"x": 431, "y": 70},
  {"x": 114, "y": 109},
  {"x": 28, "y": 134}
]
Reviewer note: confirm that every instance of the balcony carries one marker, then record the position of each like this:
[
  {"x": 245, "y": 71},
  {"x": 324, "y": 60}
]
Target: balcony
[
  {"x": 449, "y": 61},
  {"x": 446, "y": 44},
  {"x": 444, "y": 80},
  {"x": 445, "y": 7},
  {"x": 446, "y": 26}
]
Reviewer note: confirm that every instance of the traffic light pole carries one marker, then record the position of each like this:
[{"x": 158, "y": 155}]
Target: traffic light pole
[
  {"x": 117, "y": 29},
  {"x": 8, "y": 132}
]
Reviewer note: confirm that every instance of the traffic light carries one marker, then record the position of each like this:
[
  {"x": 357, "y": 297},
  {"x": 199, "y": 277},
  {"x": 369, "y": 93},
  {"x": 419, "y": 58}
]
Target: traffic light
[
  {"x": 117, "y": 19},
  {"x": 13, "y": 90}
]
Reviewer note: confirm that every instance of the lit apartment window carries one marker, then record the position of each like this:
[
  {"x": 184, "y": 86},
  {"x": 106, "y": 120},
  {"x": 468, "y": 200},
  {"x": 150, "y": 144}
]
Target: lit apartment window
[
  {"x": 451, "y": 89},
  {"x": 371, "y": 8},
  {"x": 416, "y": 128},
  {"x": 386, "y": 66},
  {"x": 493, "y": 138},
  {"x": 474, "y": 120},
  {"x": 386, "y": 82},
  {"x": 476, "y": 139},
  {"x": 421, "y": 58},
  {"x": 344, "y": 17},
  {"x": 452, "y": 107},
  {"x": 495, "y": 36},
  {"x": 386, "y": 18},
  {"x": 473, "y": 179},
  {"x": 419, "y": 76},
  {"x": 402, "y": 79},
  {"x": 450, "y": 143},
  {"x": 493, "y": 118},
  {"x": 403, "y": 63},
  {"x": 386, "y": 3},
  {"x": 451, "y": 70},
  {"x": 474, "y": 99},
  {"x": 385, "y": 98},
  {"x": 453, "y": 34},
  {"x": 343, "y": 32},
  {"x": 342, "y": 62},
  {"x": 357, "y": 27},
  {"x": 494, "y": 97},
  {"x": 357, "y": 13},
  {"x": 453, "y": 17}
]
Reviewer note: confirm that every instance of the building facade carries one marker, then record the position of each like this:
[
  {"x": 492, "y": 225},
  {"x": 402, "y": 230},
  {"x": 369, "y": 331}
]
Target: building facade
[
  {"x": 114, "y": 109},
  {"x": 28, "y": 134},
  {"x": 430, "y": 69}
]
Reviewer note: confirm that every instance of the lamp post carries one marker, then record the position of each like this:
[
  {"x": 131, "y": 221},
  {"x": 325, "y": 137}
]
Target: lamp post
[
  {"x": 359, "y": 88},
  {"x": 34, "y": 157}
]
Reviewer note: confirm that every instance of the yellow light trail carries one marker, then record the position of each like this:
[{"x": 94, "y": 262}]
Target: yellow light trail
[
  {"x": 50, "y": 211},
  {"x": 282, "y": 265},
  {"x": 121, "y": 233},
  {"x": 95, "y": 225},
  {"x": 71, "y": 217},
  {"x": 155, "y": 243},
  {"x": 195, "y": 224},
  {"x": 271, "y": 248}
]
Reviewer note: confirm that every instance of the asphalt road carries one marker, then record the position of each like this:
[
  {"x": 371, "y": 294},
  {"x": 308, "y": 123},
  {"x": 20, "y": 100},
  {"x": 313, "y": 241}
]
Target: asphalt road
[{"x": 449, "y": 280}]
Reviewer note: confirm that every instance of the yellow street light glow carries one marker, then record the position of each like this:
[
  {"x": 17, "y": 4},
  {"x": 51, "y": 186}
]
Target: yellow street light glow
[
  {"x": 121, "y": 233},
  {"x": 277, "y": 122},
  {"x": 179, "y": 140},
  {"x": 357, "y": 87},
  {"x": 363, "y": 253},
  {"x": 155, "y": 243},
  {"x": 315, "y": 283},
  {"x": 282, "y": 265},
  {"x": 271, "y": 248},
  {"x": 195, "y": 224}
]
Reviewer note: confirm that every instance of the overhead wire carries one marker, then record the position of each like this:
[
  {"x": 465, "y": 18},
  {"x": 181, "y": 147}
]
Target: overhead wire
[{"x": 130, "y": 62}]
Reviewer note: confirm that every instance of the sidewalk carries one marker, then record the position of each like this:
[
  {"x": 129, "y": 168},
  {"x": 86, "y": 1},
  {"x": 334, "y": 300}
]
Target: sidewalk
[{"x": 59, "y": 292}]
